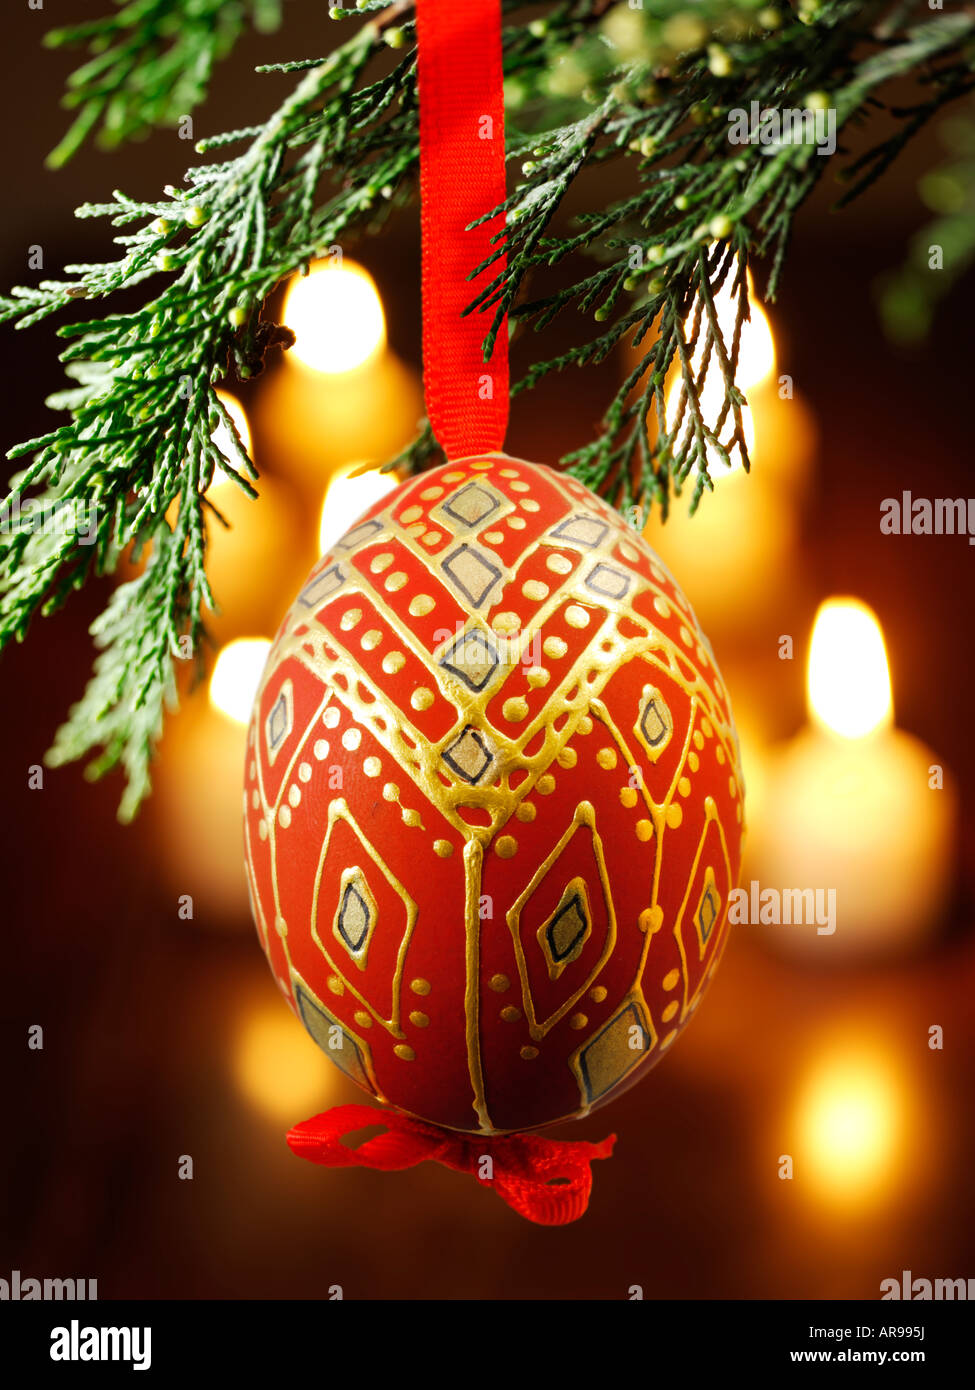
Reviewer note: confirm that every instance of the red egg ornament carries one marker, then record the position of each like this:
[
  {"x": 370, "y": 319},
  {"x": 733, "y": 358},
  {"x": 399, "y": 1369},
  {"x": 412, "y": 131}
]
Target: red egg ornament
[{"x": 493, "y": 805}]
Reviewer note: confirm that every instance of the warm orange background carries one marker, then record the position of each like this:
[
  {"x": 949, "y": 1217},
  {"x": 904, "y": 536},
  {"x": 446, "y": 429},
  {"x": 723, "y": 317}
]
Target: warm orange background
[{"x": 149, "y": 1020}]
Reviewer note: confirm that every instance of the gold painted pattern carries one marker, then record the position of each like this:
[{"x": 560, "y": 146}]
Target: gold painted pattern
[{"x": 469, "y": 563}]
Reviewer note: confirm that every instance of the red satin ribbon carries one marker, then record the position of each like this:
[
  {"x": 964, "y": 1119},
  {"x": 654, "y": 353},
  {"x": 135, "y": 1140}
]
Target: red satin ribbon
[
  {"x": 460, "y": 83},
  {"x": 546, "y": 1180}
]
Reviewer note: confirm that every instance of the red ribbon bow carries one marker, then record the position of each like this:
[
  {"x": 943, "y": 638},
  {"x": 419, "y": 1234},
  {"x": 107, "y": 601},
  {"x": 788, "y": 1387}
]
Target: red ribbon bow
[{"x": 545, "y": 1180}]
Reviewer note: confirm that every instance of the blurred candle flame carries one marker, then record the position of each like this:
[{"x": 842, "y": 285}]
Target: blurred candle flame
[
  {"x": 852, "y": 1124},
  {"x": 756, "y": 361},
  {"x": 277, "y": 1067},
  {"x": 351, "y": 492},
  {"x": 337, "y": 317},
  {"x": 847, "y": 677},
  {"x": 236, "y": 676},
  {"x": 221, "y": 435}
]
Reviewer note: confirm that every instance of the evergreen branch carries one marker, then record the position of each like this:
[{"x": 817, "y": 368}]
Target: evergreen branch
[
  {"x": 150, "y": 64},
  {"x": 665, "y": 92}
]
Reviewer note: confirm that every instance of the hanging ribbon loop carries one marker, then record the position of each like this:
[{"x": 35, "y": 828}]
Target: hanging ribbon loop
[
  {"x": 548, "y": 1181},
  {"x": 462, "y": 177}
]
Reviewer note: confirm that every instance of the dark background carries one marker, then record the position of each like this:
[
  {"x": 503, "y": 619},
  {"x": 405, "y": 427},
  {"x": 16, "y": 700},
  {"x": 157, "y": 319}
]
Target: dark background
[{"x": 165, "y": 1037}]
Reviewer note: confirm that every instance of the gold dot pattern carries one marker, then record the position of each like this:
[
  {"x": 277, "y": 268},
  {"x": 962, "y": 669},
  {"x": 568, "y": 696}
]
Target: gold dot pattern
[
  {"x": 535, "y": 590},
  {"x": 576, "y": 616}
]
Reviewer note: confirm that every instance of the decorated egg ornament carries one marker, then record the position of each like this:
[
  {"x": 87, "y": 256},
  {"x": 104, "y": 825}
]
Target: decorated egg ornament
[{"x": 493, "y": 802}]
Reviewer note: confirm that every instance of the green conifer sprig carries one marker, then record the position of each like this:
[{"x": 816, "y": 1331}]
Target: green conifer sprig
[
  {"x": 150, "y": 64},
  {"x": 654, "y": 89}
]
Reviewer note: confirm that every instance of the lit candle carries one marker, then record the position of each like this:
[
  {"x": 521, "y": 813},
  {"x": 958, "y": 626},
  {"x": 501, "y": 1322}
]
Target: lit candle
[
  {"x": 732, "y": 553},
  {"x": 340, "y": 393},
  {"x": 855, "y": 805},
  {"x": 852, "y": 1123},
  {"x": 351, "y": 492},
  {"x": 336, "y": 316},
  {"x": 257, "y": 561},
  {"x": 278, "y": 1069},
  {"x": 221, "y": 436},
  {"x": 198, "y": 787}
]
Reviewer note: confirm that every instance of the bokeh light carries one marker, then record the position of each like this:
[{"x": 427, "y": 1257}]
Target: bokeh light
[
  {"x": 277, "y": 1067},
  {"x": 351, "y": 491},
  {"x": 756, "y": 362},
  {"x": 336, "y": 316},
  {"x": 847, "y": 676},
  {"x": 221, "y": 436},
  {"x": 852, "y": 1114},
  {"x": 236, "y": 676}
]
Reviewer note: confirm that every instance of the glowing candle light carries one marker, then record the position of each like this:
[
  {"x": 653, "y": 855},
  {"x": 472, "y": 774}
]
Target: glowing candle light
[
  {"x": 278, "y": 1069},
  {"x": 852, "y": 1126},
  {"x": 728, "y": 552},
  {"x": 337, "y": 317},
  {"x": 855, "y": 805},
  {"x": 236, "y": 676},
  {"x": 198, "y": 787},
  {"x": 341, "y": 394},
  {"x": 756, "y": 362},
  {"x": 351, "y": 492},
  {"x": 221, "y": 435},
  {"x": 847, "y": 676}
]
